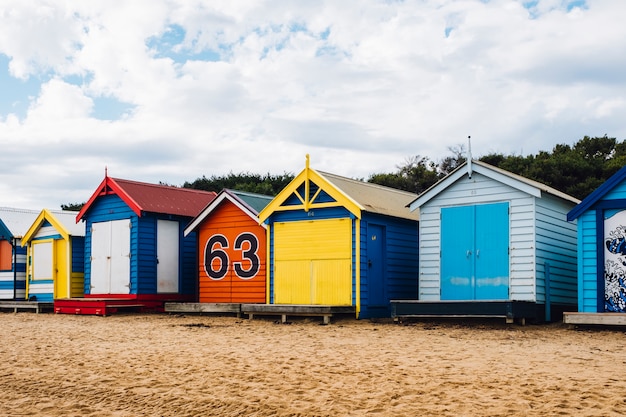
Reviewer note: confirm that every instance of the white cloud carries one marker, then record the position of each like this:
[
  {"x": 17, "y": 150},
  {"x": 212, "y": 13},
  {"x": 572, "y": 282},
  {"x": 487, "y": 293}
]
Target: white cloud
[{"x": 359, "y": 86}]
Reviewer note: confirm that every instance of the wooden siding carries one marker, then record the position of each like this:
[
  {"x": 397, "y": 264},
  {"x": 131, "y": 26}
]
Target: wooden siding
[
  {"x": 589, "y": 301},
  {"x": 401, "y": 262},
  {"x": 556, "y": 246},
  {"x": 479, "y": 190},
  {"x": 522, "y": 249},
  {"x": 78, "y": 254},
  {"x": 188, "y": 264},
  {"x": 13, "y": 281},
  {"x": 617, "y": 193},
  {"x": 230, "y": 222},
  {"x": 587, "y": 263},
  {"x": 143, "y": 244},
  {"x": 143, "y": 271}
]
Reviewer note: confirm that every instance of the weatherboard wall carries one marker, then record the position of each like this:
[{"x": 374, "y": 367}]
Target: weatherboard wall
[
  {"x": 400, "y": 264},
  {"x": 66, "y": 263},
  {"x": 556, "y": 252},
  {"x": 105, "y": 209},
  {"x": 227, "y": 239},
  {"x": 592, "y": 243},
  {"x": 143, "y": 260},
  {"x": 538, "y": 234},
  {"x": 399, "y": 257},
  {"x": 479, "y": 190},
  {"x": 13, "y": 271}
]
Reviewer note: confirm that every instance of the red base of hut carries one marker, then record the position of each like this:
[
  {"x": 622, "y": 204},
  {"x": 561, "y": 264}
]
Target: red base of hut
[{"x": 107, "y": 304}]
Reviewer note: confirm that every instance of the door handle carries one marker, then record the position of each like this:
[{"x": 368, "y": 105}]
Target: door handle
[
  {"x": 478, "y": 253},
  {"x": 468, "y": 254}
]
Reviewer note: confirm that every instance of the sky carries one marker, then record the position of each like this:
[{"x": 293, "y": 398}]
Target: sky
[{"x": 173, "y": 90}]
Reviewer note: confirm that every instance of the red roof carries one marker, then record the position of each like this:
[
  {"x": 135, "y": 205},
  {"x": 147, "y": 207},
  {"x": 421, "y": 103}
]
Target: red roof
[{"x": 153, "y": 198}]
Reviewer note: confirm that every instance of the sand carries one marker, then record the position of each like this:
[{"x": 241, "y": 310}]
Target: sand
[{"x": 191, "y": 365}]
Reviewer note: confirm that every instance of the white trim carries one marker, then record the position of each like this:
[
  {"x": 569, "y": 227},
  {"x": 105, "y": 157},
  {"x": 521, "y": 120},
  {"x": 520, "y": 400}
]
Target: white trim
[{"x": 224, "y": 195}]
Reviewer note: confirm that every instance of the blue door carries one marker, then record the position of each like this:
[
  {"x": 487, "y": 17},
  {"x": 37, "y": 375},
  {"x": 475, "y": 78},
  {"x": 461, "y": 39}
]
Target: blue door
[
  {"x": 457, "y": 260},
  {"x": 492, "y": 252},
  {"x": 376, "y": 266},
  {"x": 475, "y": 252}
]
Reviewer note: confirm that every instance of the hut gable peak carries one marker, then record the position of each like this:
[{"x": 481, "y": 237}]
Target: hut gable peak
[
  {"x": 61, "y": 221},
  {"x": 143, "y": 197},
  {"x": 518, "y": 182},
  {"x": 312, "y": 189},
  {"x": 248, "y": 203}
]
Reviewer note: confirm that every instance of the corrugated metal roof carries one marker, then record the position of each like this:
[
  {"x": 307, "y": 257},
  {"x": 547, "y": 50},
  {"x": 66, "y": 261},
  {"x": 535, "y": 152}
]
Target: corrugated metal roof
[
  {"x": 165, "y": 199},
  {"x": 18, "y": 221},
  {"x": 375, "y": 198},
  {"x": 533, "y": 183},
  {"x": 151, "y": 198}
]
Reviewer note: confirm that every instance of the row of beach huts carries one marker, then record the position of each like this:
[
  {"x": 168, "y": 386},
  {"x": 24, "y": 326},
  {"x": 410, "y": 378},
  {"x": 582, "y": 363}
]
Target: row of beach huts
[{"x": 482, "y": 242}]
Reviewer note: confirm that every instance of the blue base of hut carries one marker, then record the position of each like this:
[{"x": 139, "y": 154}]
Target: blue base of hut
[{"x": 507, "y": 309}]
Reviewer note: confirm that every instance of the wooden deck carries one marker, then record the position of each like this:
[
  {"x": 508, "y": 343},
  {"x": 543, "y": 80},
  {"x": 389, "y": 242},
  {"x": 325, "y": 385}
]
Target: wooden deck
[
  {"x": 607, "y": 319},
  {"x": 38, "y": 306},
  {"x": 231, "y": 308},
  {"x": 285, "y": 310}
]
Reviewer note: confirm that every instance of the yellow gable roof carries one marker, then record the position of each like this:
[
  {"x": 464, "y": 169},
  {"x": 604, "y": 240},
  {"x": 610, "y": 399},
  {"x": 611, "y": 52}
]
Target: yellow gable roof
[{"x": 356, "y": 196}]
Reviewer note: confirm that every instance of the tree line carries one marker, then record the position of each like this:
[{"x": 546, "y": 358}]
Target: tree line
[{"x": 576, "y": 170}]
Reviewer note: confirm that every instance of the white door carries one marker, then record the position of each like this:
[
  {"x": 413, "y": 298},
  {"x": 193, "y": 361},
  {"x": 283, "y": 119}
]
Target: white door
[
  {"x": 167, "y": 256},
  {"x": 110, "y": 257},
  {"x": 120, "y": 257},
  {"x": 100, "y": 253},
  {"x": 42, "y": 260}
]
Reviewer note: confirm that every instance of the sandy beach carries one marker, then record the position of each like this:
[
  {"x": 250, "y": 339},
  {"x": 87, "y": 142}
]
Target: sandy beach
[{"x": 191, "y": 365}]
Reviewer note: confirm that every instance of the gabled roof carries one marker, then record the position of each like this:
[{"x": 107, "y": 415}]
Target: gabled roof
[
  {"x": 14, "y": 222},
  {"x": 64, "y": 222},
  {"x": 249, "y": 203},
  {"x": 142, "y": 197},
  {"x": 597, "y": 194},
  {"x": 356, "y": 196},
  {"x": 518, "y": 182}
]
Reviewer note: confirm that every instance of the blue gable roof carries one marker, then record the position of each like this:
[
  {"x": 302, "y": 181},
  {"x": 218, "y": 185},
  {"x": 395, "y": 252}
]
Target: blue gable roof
[
  {"x": 597, "y": 194},
  {"x": 5, "y": 233}
]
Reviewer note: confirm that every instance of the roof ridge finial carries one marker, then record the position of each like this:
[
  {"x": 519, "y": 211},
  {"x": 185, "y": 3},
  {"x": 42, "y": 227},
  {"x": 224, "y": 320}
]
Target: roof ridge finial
[
  {"x": 106, "y": 171},
  {"x": 469, "y": 156}
]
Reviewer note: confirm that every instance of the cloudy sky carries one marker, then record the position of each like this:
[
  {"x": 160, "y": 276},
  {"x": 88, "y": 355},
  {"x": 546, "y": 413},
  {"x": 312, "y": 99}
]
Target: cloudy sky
[{"x": 159, "y": 90}]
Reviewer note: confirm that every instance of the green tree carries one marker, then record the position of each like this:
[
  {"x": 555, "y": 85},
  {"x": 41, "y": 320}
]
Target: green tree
[
  {"x": 576, "y": 170},
  {"x": 416, "y": 175},
  {"x": 72, "y": 206},
  {"x": 261, "y": 184}
]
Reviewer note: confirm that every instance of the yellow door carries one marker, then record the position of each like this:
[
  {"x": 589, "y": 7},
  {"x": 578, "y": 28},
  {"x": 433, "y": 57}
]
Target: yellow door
[
  {"x": 313, "y": 261},
  {"x": 61, "y": 276}
]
